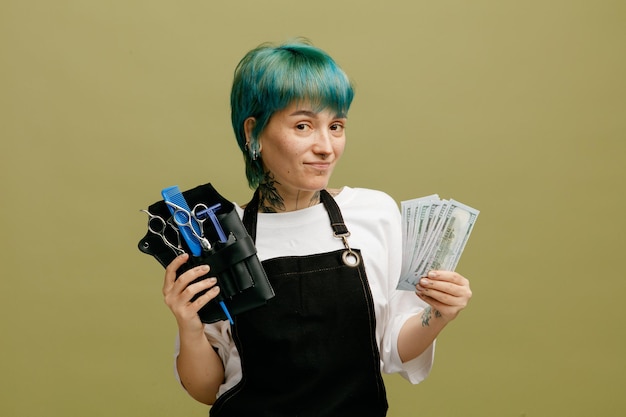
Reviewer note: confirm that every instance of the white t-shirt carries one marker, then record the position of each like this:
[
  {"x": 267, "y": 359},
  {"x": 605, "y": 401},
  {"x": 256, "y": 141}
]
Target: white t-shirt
[{"x": 373, "y": 219}]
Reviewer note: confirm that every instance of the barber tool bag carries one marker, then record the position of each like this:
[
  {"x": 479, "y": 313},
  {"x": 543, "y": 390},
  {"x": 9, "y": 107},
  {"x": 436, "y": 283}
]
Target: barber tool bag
[{"x": 240, "y": 275}]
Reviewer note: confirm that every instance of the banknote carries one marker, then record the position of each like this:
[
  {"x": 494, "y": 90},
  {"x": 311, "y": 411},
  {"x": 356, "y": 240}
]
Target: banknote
[
  {"x": 414, "y": 222},
  {"x": 434, "y": 235}
]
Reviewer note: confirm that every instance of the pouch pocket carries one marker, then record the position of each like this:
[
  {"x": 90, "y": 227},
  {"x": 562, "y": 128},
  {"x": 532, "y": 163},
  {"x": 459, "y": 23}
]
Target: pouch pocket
[{"x": 240, "y": 275}]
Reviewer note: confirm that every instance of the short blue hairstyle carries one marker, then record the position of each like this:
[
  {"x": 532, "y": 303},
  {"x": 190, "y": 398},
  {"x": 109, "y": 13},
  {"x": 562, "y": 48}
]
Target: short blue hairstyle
[{"x": 269, "y": 78}]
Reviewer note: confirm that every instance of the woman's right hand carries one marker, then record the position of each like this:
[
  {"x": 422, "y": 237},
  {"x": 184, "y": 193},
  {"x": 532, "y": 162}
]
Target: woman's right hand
[{"x": 178, "y": 293}]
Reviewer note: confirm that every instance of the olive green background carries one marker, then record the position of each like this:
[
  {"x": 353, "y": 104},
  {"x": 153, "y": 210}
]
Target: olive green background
[{"x": 516, "y": 108}]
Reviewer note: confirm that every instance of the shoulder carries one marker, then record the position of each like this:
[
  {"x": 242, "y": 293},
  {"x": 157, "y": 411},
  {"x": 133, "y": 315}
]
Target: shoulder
[{"x": 365, "y": 197}]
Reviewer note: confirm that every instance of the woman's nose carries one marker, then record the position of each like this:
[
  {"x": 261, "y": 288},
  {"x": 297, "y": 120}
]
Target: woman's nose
[{"x": 323, "y": 143}]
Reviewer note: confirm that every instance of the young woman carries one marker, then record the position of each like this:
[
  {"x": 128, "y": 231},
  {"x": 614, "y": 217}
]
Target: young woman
[{"x": 333, "y": 257}]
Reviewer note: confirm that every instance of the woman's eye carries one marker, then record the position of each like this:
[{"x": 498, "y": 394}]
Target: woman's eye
[
  {"x": 302, "y": 126},
  {"x": 336, "y": 127}
]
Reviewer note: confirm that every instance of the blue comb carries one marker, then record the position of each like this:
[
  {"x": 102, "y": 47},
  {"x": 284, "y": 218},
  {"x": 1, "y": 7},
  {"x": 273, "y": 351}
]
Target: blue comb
[{"x": 173, "y": 195}]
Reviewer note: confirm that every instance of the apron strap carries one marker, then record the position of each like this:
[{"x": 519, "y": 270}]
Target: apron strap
[
  {"x": 340, "y": 231},
  {"x": 250, "y": 215},
  {"x": 336, "y": 219}
]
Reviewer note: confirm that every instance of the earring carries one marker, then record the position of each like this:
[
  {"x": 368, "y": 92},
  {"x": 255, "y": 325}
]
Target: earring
[{"x": 247, "y": 147}]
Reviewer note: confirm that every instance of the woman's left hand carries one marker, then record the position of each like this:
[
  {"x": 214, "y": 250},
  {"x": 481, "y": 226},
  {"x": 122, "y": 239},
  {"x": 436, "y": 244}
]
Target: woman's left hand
[{"x": 447, "y": 292}]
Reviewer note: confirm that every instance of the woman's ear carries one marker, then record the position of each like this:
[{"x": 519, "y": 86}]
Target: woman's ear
[{"x": 248, "y": 127}]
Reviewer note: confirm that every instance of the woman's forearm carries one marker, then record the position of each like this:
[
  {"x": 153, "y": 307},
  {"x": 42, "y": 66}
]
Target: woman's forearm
[
  {"x": 418, "y": 333},
  {"x": 446, "y": 293},
  {"x": 199, "y": 367}
]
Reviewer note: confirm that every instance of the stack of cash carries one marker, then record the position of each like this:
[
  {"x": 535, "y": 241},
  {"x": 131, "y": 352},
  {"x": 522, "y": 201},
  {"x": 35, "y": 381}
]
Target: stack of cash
[{"x": 434, "y": 234}]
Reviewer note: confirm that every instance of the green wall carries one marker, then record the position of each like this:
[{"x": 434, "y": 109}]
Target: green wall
[{"x": 516, "y": 108}]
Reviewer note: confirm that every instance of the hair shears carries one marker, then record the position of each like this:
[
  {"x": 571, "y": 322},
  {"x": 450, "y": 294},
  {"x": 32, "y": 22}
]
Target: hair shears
[
  {"x": 184, "y": 218},
  {"x": 157, "y": 226}
]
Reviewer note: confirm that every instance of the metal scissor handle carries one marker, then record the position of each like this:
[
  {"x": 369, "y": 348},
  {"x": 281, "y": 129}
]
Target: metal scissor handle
[
  {"x": 183, "y": 218},
  {"x": 210, "y": 213},
  {"x": 199, "y": 219},
  {"x": 157, "y": 226}
]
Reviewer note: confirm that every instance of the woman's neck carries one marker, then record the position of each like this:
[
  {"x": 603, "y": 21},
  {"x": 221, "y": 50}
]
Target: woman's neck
[{"x": 273, "y": 200}]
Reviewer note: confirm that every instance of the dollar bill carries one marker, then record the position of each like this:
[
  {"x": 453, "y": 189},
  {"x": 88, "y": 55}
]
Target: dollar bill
[
  {"x": 414, "y": 223},
  {"x": 434, "y": 233}
]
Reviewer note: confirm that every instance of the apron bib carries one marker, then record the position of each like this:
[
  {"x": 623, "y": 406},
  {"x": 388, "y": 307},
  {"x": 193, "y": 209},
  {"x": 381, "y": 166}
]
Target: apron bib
[{"x": 311, "y": 351}]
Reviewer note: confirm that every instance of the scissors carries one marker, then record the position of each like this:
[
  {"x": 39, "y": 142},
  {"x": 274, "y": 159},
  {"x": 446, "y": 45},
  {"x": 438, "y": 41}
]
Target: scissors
[
  {"x": 183, "y": 218},
  {"x": 196, "y": 216},
  {"x": 202, "y": 212},
  {"x": 157, "y": 225}
]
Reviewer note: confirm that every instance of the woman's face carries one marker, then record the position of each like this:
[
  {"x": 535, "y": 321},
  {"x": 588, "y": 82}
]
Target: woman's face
[{"x": 300, "y": 147}]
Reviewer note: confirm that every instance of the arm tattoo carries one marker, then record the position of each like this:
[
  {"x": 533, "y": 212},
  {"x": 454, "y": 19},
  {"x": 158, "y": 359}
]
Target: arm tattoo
[{"x": 428, "y": 314}]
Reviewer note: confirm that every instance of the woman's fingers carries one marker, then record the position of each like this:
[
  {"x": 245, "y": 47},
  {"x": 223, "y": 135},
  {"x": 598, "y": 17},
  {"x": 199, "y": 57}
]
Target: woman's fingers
[
  {"x": 201, "y": 301},
  {"x": 197, "y": 287},
  {"x": 179, "y": 284},
  {"x": 179, "y": 292},
  {"x": 446, "y": 282},
  {"x": 446, "y": 291},
  {"x": 170, "y": 272}
]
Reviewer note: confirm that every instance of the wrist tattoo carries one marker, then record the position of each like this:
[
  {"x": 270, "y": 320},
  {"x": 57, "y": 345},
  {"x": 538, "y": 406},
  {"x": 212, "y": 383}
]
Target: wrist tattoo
[{"x": 428, "y": 314}]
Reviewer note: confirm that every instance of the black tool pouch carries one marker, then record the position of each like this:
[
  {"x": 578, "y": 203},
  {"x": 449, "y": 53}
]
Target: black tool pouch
[{"x": 240, "y": 275}]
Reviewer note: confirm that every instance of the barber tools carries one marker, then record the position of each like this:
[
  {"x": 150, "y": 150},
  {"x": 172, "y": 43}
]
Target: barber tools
[
  {"x": 222, "y": 243},
  {"x": 183, "y": 217},
  {"x": 210, "y": 212},
  {"x": 191, "y": 228},
  {"x": 157, "y": 225}
]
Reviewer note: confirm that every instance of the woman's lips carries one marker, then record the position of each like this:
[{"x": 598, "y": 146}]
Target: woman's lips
[{"x": 319, "y": 166}]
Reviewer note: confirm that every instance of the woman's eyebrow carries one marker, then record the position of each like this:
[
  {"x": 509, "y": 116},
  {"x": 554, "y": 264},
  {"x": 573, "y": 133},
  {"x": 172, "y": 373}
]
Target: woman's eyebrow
[{"x": 311, "y": 113}]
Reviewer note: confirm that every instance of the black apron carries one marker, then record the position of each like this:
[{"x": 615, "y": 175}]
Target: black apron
[{"x": 311, "y": 351}]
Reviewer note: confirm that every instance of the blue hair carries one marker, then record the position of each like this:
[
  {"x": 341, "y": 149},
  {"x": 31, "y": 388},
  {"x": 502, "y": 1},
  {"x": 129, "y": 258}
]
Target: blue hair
[{"x": 269, "y": 78}]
